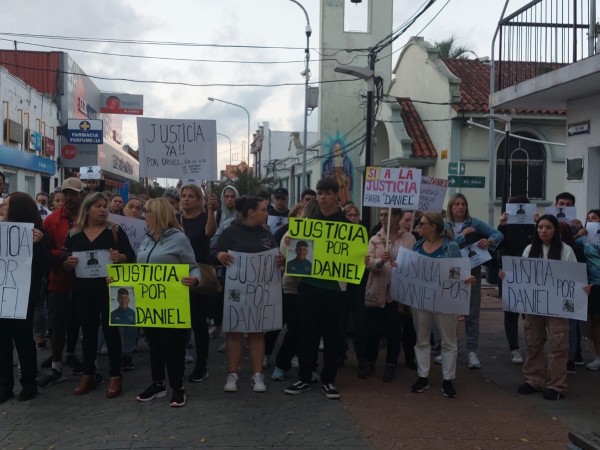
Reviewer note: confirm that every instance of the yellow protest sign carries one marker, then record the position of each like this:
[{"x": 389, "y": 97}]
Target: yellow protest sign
[
  {"x": 326, "y": 250},
  {"x": 154, "y": 294}
]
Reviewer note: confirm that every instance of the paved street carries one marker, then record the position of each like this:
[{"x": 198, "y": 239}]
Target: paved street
[{"x": 487, "y": 414}]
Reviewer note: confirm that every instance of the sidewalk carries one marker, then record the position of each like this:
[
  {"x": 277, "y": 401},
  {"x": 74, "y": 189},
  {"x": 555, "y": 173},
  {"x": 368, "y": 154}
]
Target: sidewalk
[{"x": 487, "y": 414}]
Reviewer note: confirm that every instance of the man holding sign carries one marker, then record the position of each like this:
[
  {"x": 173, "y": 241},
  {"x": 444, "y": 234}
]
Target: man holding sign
[{"x": 320, "y": 296}]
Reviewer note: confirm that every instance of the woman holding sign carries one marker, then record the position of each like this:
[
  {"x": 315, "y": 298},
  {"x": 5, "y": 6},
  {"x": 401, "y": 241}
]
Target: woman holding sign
[
  {"x": 469, "y": 230},
  {"x": 436, "y": 242},
  {"x": 93, "y": 233},
  {"x": 166, "y": 243},
  {"x": 550, "y": 376},
  {"x": 247, "y": 235},
  {"x": 21, "y": 208}
]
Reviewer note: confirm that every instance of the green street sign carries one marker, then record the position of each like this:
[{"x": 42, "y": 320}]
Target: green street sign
[
  {"x": 466, "y": 182},
  {"x": 455, "y": 169}
]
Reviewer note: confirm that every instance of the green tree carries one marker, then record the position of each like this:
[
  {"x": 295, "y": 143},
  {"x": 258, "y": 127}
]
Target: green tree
[
  {"x": 244, "y": 182},
  {"x": 450, "y": 49}
]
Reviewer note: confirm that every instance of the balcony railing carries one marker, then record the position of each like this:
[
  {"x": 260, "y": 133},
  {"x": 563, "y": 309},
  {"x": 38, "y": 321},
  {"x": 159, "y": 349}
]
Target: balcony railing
[{"x": 542, "y": 36}]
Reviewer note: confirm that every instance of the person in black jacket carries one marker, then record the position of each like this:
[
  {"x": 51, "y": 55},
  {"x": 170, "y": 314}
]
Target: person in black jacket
[{"x": 21, "y": 208}]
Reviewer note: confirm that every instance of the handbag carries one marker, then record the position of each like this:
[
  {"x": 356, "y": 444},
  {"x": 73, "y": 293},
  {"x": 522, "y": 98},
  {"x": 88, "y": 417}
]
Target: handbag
[{"x": 209, "y": 283}]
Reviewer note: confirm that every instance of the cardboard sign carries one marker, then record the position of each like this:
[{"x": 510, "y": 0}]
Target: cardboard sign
[
  {"x": 161, "y": 301},
  {"x": 338, "y": 248},
  {"x": 253, "y": 293},
  {"x": 544, "y": 287},
  {"x": 174, "y": 148},
  {"x": 431, "y": 284},
  {"x": 521, "y": 213},
  {"x": 389, "y": 187},
  {"x": 16, "y": 252},
  {"x": 476, "y": 256},
  {"x": 92, "y": 264},
  {"x": 135, "y": 229},
  {"x": 432, "y": 194},
  {"x": 90, "y": 173}
]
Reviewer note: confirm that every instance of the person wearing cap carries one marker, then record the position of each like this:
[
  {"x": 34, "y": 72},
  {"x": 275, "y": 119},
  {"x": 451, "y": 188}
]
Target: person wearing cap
[
  {"x": 278, "y": 210},
  {"x": 61, "y": 309}
]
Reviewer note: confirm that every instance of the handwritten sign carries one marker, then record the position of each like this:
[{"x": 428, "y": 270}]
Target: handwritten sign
[
  {"x": 477, "y": 256},
  {"x": 161, "y": 301},
  {"x": 135, "y": 229},
  {"x": 563, "y": 214},
  {"x": 431, "y": 284},
  {"x": 16, "y": 252},
  {"x": 392, "y": 187},
  {"x": 252, "y": 293},
  {"x": 593, "y": 232},
  {"x": 544, "y": 287},
  {"x": 339, "y": 248},
  {"x": 521, "y": 213},
  {"x": 174, "y": 148},
  {"x": 432, "y": 194},
  {"x": 90, "y": 173},
  {"x": 92, "y": 264}
]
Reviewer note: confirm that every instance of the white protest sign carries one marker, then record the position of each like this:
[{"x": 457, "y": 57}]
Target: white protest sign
[
  {"x": 90, "y": 173},
  {"x": 252, "y": 293},
  {"x": 477, "y": 256},
  {"x": 563, "y": 214},
  {"x": 593, "y": 232},
  {"x": 92, "y": 263},
  {"x": 135, "y": 229},
  {"x": 175, "y": 148},
  {"x": 276, "y": 222},
  {"x": 544, "y": 287},
  {"x": 431, "y": 284},
  {"x": 521, "y": 213},
  {"x": 16, "y": 252},
  {"x": 396, "y": 187},
  {"x": 433, "y": 193}
]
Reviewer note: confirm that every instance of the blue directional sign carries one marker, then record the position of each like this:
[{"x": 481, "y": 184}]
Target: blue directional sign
[{"x": 85, "y": 131}]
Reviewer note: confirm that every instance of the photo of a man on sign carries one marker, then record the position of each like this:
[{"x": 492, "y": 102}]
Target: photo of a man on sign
[{"x": 300, "y": 265}]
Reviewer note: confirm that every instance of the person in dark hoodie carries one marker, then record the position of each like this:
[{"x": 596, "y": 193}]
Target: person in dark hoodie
[
  {"x": 166, "y": 243},
  {"x": 247, "y": 235}
]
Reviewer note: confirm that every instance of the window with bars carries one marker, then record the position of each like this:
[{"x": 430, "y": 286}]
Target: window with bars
[{"x": 526, "y": 165}]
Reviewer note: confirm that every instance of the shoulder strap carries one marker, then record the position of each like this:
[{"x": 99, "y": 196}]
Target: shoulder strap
[{"x": 115, "y": 235}]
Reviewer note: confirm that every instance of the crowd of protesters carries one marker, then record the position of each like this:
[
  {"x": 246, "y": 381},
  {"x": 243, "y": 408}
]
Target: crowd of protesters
[{"x": 187, "y": 226}]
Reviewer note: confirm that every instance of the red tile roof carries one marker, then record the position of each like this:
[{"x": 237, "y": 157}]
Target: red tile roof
[
  {"x": 475, "y": 82},
  {"x": 422, "y": 147}
]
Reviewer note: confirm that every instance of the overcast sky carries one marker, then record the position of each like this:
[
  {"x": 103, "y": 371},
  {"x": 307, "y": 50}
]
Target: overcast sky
[{"x": 261, "y": 23}]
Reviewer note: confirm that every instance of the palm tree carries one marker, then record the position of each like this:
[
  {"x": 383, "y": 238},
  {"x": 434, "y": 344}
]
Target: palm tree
[{"x": 449, "y": 49}]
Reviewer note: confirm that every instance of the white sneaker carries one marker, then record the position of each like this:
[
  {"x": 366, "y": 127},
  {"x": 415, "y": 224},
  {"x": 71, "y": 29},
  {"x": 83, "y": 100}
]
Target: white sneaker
[
  {"x": 438, "y": 359},
  {"x": 258, "y": 382},
  {"x": 515, "y": 357},
  {"x": 231, "y": 384},
  {"x": 295, "y": 363},
  {"x": 266, "y": 360},
  {"x": 473, "y": 361},
  {"x": 594, "y": 365}
]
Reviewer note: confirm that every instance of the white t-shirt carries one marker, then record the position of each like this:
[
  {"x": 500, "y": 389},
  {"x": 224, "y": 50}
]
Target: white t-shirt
[{"x": 566, "y": 253}]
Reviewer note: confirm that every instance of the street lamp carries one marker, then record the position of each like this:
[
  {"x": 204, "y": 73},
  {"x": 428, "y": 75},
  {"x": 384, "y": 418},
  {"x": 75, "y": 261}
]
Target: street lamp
[
  {"x": 212, "y": 99},
  {"x": 306, "y": 74},
  {"x": 225, "y": 136},
  {"x": 506, "y": 181},
  {"x": 367, "y": 74}
]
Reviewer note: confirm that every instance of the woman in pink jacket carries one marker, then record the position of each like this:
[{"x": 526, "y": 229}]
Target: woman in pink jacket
[{"x": 384, "y": 317}]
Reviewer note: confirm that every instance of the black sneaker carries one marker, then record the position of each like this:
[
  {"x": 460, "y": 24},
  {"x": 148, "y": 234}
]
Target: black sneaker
[
  {"x": 389, "y": 373},
  {"x": 421, "y": 384},
  {"x": 330, "y": 391},
  {"x": 127, "y": 363},
  {"x": 571, "y": 367},
  {"x": 47, "y": 363},
  {"x": 50, "y": 379},
  {"x": 73, "y": 362},
  {"x": 297, "y": 388},
  {"x": 551, "y": 394},
  {"x": 198, "y": 375},
  {"x": 448, "y": 390},
  {"x": 28, "y": 393},
  {"x": 178, "y": 398},
  {"x": 526, "y": 389},
  {"x": 155, "y": 390}
]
